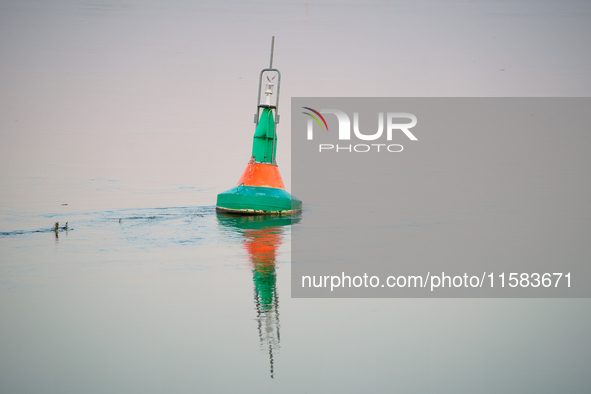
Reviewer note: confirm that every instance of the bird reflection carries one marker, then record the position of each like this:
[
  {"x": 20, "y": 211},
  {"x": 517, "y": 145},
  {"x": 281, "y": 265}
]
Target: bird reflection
[{"x": 261, "y": 237}]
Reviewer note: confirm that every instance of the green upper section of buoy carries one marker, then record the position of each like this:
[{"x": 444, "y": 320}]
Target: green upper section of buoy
[{"x": 264, "y": 148}]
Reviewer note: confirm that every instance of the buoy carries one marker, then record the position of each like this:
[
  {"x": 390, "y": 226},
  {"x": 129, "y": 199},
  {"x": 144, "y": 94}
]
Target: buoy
[{"x": 260, "y": 190}]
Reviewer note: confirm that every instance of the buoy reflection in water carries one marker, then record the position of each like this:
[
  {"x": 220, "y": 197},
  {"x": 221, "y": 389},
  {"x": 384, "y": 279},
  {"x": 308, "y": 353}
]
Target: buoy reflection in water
[{"x": 262, "y": 236}]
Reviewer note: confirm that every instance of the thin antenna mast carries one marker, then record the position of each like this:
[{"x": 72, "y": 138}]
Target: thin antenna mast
[{"x": 272, "y": 45}]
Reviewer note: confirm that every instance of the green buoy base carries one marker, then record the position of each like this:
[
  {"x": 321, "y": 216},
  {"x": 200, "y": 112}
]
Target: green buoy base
[{"x": 255, "y": 200}]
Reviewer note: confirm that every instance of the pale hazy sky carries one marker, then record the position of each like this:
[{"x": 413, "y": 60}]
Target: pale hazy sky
[{"x": 165, "y": 91}]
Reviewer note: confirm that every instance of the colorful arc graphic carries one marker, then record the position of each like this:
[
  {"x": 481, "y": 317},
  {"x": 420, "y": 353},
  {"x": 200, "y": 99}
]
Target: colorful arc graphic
[{"x": 315, "y": 118}]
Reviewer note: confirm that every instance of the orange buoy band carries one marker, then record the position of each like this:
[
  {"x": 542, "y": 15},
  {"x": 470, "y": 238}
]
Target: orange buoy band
[{"x": 262, "y": 175}]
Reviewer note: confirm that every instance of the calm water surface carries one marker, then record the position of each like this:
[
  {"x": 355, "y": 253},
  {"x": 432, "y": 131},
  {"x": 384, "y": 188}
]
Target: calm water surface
[{"x": 183, "y": 300}]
